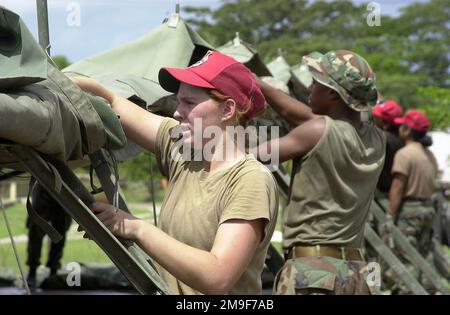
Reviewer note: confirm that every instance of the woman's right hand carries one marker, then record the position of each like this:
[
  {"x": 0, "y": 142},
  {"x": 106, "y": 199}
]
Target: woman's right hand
[
  {"x": 93, "y": 87},
  {"x": 84, "y": 83}
]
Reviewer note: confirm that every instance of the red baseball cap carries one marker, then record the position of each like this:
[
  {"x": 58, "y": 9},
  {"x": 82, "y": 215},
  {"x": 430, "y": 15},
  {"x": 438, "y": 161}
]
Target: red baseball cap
[
  {"x": 388, "y": 111},
  {"x": 222, "y": 73},
  {"x": 414, "y": 119}
]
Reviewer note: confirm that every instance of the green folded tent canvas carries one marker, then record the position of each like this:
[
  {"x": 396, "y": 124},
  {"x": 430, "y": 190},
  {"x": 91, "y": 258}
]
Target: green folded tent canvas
[
  {"x": 21, "y": 59},
  {"x": 39, "y": 106}
]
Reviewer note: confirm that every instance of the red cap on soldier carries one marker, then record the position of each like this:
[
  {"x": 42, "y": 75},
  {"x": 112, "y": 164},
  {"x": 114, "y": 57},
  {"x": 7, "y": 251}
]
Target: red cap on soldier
[
  {"x": 415, "y": 119},
  {"x": 388, "y": 111},
  {"x": 222, "y": 73}
]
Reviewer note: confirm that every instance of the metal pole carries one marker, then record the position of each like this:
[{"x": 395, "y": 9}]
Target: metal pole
[
  {"x": 16, "y": 254},
  {"x": 42, "y": 19}
]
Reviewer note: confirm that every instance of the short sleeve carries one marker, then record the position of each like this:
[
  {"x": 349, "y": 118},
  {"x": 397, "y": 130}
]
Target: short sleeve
[
  {"x": 253, "y": 196},
  {"x": 401, "y": 164},
  {"x": 164, "y": 145}
]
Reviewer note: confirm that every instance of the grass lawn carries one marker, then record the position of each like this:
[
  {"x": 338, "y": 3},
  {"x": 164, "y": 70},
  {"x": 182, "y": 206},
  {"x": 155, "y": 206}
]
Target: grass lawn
[
  {"x": 16, "y": 215},
  {"x": 76, "y": 250}
]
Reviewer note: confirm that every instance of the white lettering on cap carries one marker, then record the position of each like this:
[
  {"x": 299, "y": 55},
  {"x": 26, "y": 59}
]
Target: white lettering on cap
[{"x": 203, "y": 60}]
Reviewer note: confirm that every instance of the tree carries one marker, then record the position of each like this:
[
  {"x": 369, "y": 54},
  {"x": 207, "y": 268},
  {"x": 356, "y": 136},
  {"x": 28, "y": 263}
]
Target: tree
[
  {"x": 435, "y": 102},
  {"x": 61, "y": 62},
  {"x": 408, "y": 52}
]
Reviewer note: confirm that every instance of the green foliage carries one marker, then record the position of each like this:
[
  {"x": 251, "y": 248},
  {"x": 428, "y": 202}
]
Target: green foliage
[
  {"x": 61, "y": 61},
  {"x": 435, "y": 102},
  {"x": 409, "y": 52},
  {"x": 17, "y": 216},
  {"x": 138, "y": 169}
]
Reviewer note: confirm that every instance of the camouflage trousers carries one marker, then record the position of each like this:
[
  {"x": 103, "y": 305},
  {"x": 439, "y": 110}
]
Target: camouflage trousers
[
  {"x": 322, "y": 276},
  {"x": 416, "y": 223}
]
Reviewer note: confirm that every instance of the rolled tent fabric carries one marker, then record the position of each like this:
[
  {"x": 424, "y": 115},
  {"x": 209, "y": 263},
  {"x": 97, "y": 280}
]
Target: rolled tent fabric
[
  {"x": 39, "y": 106},
  {"x": 22, "y": 60},
  {"x": 36, "y": 117}
]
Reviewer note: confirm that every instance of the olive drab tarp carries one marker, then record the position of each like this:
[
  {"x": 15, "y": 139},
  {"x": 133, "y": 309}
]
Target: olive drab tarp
[
  {"x": 171, "y": 45},
  {"x": 131, "y": 70},
  {"x": 301, "y": 80},
  {"x": 296, "y": 77},
  {"x": 244, "y": 53},
  {"x": 40, "y": 107},
  {"x": 21, "y": 59},
  {"x": 280, "y": 69}
]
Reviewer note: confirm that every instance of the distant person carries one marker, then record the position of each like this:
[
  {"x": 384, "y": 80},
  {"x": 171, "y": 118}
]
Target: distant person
[
  {"x": 414, "y": 173},
  {"x": 50, "y": 210},
  {"x": 384, "y": 116}
]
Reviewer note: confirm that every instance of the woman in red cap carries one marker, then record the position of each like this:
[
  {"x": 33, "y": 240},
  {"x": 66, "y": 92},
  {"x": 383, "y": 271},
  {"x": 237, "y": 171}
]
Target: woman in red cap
[
  {"x": 414, "y": 172},
  {"x": 384, "y": 115},
  {"x": 219, "y": 211}
]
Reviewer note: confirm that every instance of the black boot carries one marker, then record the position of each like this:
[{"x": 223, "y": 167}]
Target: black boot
[
  {"x": 53, "y": 271},
  {"x": 31, "y": 278}
]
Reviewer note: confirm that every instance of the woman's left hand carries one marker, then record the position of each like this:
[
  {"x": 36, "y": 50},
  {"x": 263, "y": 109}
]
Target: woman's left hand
[{"x": 119, "y": 222}]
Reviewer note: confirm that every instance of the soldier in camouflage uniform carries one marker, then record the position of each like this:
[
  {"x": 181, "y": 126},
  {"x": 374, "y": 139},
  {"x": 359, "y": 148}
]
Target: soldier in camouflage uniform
[
  {"x": 414, "y": 172},
  {"x": 341, "y": 159}
]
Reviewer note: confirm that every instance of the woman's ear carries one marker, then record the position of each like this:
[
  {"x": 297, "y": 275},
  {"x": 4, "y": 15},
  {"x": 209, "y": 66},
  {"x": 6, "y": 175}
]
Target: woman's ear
[{"x": 228, "y": 109}]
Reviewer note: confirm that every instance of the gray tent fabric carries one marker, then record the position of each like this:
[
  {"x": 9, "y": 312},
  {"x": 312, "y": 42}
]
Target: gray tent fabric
[{"x": 21, "y": 59}]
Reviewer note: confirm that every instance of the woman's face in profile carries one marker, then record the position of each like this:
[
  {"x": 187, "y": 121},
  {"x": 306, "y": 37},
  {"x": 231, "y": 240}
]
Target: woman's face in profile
[{"x": 196, "y": 111}]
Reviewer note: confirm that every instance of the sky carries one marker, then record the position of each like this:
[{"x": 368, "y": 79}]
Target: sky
[{"x": 104, "y": 24}]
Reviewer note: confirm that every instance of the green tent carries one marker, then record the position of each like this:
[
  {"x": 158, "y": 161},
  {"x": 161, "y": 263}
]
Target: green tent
[
  {"x": 301, "y": 79},
  {"x": 297, "y": 77},
  {"x": 243, "y": 52},
  {"x": 131, "y": 70},
  {"x": 280, "y": 69}
]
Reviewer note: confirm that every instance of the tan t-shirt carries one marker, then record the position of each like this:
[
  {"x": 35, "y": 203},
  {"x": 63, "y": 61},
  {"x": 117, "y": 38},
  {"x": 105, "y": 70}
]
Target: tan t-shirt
[
  {"x": 334, "y": 188},
  {"x": 197, "y": 202},
  {"x": 419, "y": 165}
]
